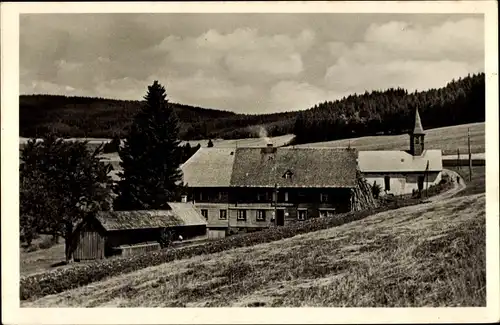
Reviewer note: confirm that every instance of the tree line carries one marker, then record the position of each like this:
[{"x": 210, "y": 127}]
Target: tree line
[
  {"x": 375, "y": 112},
  {"x": 392, "y": 111}
]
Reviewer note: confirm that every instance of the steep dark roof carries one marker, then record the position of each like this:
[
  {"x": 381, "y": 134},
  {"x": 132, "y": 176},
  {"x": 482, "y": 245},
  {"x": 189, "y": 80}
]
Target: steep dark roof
[
  {"x": 181, "y": 214},
  {"x": 310, "y": 167},
  {"x": 418, "y": 124}
]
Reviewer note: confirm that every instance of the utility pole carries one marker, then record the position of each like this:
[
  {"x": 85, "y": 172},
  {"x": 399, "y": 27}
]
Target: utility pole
[
  {"x": 470, "y": 155},
  {"x": 458, "y": 158},
  {"x": 275, "y": 204},
  {"x": 427, "y": 179}
]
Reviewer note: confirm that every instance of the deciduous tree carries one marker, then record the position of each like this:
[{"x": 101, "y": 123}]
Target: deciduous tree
[{"x": 61, "y": 184}]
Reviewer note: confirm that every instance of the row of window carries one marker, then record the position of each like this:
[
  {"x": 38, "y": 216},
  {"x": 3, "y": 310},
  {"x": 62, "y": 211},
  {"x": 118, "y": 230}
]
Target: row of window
[
  {"x": 241, "y": 214},
  {"x": 260, "y": 196},
  {"x": 261, "y": 214}
]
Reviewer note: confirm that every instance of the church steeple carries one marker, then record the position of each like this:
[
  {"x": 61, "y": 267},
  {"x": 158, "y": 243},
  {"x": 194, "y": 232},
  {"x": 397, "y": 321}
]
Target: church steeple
[{"x": 417, "y": 137}]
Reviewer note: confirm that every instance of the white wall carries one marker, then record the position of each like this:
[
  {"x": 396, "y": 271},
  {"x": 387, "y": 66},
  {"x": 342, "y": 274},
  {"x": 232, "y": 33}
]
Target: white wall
[{"x": 401, "y": 183}]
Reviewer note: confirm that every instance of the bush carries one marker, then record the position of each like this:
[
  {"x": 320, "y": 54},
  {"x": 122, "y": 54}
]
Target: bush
[
  {"x": 52, "y": 282},
  {"x": 112, "y": 146},
  {"x": 376, "y": 189},
  {"x": 47, "y": 242}
]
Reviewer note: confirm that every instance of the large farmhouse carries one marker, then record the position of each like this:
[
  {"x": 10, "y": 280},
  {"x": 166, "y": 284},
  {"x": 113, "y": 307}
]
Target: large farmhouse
[
  {"x": 253, "y": 188},
  {"x": 402, "y": 172}
]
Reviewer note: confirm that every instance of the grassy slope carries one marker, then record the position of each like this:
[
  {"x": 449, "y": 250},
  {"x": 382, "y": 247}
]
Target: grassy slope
[
  {"x": 40, "y": 260},
  {"x": 478, "y": 182},
  {"x": 427, "y": 255},
  {"x": 448, "y": 139}
]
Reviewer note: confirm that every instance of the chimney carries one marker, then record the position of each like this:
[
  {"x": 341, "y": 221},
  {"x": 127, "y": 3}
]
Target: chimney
[
  {"x": 184, "y": 199},
  {"x": 268, "y": 151}
]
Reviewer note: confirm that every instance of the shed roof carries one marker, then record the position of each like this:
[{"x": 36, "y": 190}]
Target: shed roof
[
  {"x": 399, "y": 161},
  {"x": 209, "y": 167},
  {"x": 181, "y": 214}
]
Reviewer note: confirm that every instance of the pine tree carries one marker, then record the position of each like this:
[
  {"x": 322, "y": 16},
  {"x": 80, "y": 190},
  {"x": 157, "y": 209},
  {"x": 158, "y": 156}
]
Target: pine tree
[{"x": 151, "y": 156}]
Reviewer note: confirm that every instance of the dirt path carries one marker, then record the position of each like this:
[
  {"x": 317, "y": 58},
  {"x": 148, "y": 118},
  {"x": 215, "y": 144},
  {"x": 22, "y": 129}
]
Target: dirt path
[{"x": 457, "y": 186}]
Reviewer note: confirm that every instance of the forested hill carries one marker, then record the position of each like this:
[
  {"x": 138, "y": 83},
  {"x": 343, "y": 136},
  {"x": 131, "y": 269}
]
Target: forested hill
[
  {"x": 106, "y": 118},
  {"x": 393, "y": 111},
  {"x": 389, "y": 111}
]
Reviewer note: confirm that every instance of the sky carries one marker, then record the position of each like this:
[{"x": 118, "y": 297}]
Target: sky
[{"x": 246, "y": 63}]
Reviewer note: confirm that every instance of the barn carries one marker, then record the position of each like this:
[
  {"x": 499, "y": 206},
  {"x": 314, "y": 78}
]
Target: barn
[{"x": 131, "y": 232}]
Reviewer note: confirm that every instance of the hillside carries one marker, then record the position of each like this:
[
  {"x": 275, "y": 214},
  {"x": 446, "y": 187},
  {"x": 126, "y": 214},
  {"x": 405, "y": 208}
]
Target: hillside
[
  {"x": 394, "y": 258},
  {"x": 377, "y": 112},
  {"x": 448, "y": 139},
  {"x": 78, "y": 117}
]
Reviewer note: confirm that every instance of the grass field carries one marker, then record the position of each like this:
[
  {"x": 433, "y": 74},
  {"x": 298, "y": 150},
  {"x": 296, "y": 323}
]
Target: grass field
[
  {"x": 41, "y": 259},
  {"x": 449, "y": 139},
  {"x": 478, "y": 182},
  {"x": 426, "y": 255}
]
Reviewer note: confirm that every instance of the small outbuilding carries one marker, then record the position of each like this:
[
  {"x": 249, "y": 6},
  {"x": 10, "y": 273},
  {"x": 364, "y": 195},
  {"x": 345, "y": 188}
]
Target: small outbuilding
[{"x": 130, "y": 232}]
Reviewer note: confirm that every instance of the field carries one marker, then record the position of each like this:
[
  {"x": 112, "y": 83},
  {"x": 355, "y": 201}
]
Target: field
[
  {"x": 478, "y": 182},
  {"x": 41, "y": 259},
  {"x": 449, "y": 139},
  {"x": 426, "y": 255}
]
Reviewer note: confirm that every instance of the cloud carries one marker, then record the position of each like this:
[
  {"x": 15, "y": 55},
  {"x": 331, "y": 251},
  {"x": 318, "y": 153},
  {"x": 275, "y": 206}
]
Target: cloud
[
  {"x": 242, "y": 51},
  {"x": 410, "y": 74},
  {"x": 250, "y": 63},
  {"x": 291, "y": 95},
  {"x": 412, "y": 56}
]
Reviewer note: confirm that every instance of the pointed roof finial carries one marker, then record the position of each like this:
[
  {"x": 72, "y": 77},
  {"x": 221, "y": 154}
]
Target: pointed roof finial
[{"x": 418, "y": 124}]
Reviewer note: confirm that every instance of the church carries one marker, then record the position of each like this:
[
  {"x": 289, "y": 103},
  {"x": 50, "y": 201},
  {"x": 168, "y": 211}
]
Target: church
[{"x": 403, "y": 172}]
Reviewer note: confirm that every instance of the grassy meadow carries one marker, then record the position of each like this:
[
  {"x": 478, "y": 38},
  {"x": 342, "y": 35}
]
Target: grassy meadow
[
  {"x": 427, "y": 255},
  {"x": 477, "y": 183},
  {"x": 448, "y": 139}
]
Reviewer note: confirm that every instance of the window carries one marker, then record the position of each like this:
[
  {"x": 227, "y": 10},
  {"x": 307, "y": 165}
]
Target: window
[
  {"x": 242, "y": 215},
  {"x": 204, "y": 213},
  {"x": 288, "y": 174},
  {"x": 302, "y": 214},
  {"x": 387, "y": 182},
  {"x": 417, "y": 140},
  {"x": 261, "y": 215},
  {"x": 223, "y": 214},
  {"x": 286, "y": 196},
  {"x": 323, "y": 197},
  {"x": 261, "y": 197},
  {"x": 201, "y": 196}
]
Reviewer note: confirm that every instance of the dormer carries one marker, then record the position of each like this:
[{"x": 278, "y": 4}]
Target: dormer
[{"x": 288, "y": 174}]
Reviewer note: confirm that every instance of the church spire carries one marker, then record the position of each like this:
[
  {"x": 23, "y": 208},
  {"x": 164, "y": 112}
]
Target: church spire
[
  {"x": 417, "y": 137},
  {"x": 418, "y": 124}
]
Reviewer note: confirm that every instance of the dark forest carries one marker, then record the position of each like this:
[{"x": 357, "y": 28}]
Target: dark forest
[{"x": 388, "y": 111}]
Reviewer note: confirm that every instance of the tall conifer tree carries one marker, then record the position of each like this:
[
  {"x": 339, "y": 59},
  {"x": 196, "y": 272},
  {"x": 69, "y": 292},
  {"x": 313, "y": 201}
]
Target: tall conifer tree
[{"x": 151, "y": 156}]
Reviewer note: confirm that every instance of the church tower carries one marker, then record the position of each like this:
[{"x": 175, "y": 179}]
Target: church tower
[{"x": 417, "y": 137}]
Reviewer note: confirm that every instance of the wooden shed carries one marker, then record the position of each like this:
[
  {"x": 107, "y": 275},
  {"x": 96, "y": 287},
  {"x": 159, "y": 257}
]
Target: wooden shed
[{"x": 129, "y": 232}]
